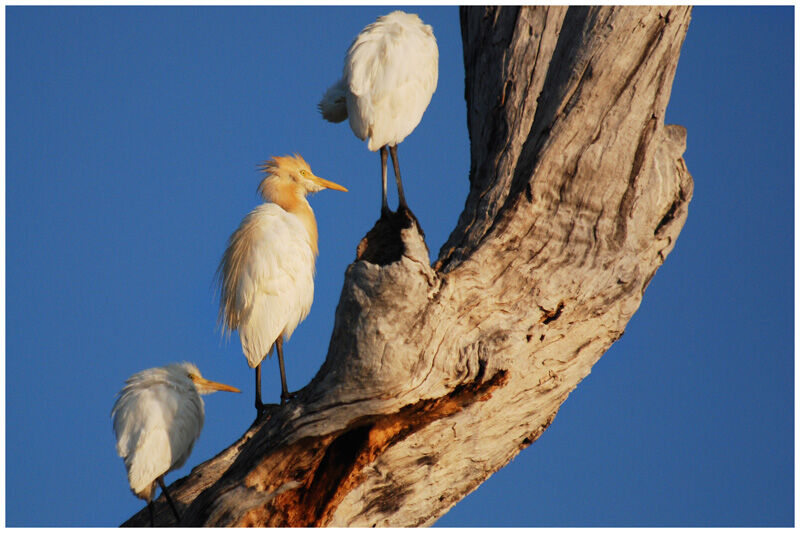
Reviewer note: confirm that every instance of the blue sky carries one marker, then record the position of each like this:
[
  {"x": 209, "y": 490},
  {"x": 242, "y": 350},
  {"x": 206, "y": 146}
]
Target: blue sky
[{"x": 132, "y": 136}]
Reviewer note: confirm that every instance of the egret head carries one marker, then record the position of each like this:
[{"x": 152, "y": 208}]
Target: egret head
[
  {"x": 291, "y": 176},
  {"x": 204, "y": 386}
]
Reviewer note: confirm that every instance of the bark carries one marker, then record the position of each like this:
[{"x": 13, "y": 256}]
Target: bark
[{"x": 437, "y": 376}]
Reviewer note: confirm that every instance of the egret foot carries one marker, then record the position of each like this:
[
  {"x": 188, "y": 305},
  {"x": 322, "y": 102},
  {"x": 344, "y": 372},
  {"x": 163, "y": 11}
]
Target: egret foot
[
  {"x": 286, "y": 396},
  {"x": 169, "y": 500},
  {"x": 264, "y": 412}
]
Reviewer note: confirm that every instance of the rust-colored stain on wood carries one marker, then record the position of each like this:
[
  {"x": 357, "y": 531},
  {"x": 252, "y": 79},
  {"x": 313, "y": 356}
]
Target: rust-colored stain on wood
[{"x": 329, "y": 467}]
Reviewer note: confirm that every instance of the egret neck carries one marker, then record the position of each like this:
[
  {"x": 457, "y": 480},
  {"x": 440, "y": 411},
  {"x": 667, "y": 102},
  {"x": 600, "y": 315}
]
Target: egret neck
[{"x": 291, "y": 198}]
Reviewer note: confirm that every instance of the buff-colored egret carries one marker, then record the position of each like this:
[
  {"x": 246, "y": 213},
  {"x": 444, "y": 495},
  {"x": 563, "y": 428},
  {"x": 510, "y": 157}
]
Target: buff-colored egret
[
  {"x": 390, "y": 73},
  {"x": 158, "y": 416},
  {"x": 266, "y": 275}
]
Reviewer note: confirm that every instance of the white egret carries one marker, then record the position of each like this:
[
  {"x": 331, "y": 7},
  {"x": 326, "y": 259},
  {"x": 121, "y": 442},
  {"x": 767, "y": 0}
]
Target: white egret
[
  {"x": 390, "y": 73},
  {"x": 266, "y": 276},
  {"x": 158, "y": 416}
]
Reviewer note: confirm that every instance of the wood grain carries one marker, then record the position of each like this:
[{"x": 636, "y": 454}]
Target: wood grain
[{"x": 438, "y": 375}]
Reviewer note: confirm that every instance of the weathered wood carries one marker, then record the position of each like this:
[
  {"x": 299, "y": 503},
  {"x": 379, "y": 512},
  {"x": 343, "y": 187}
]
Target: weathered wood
[{"x": 437, "y": 376}]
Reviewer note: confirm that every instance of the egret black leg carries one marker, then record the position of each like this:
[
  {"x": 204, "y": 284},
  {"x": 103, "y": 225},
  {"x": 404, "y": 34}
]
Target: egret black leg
[
  {"x": 152, "y": 514},
  {"x": 259, "y": 403},
  {"x": 384, "y": 202},
  {"x": 285, "y": 394},
  {"x": 169, "y": 500},
  {"x": 396, "y": 164}
]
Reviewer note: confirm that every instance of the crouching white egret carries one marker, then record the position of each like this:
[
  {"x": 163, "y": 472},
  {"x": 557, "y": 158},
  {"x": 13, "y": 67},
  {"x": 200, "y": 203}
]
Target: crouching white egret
[
  {"x": 158, "y": 416},
  {"x": 266, "y": 275},
  {"x": 390, "y": 73}
]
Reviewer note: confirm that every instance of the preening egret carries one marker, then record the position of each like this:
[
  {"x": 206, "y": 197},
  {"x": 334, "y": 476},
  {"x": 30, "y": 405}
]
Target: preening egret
[
  {"x": 266, "y": 276},
  {"x": 390, "y": 73},
  {"x": 157, "y": 417}
]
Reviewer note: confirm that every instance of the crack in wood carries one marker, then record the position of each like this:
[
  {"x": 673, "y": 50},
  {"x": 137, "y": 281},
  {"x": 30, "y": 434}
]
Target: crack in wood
[
  {"x": 328, "y": 467},
  {"x": 626, "y": 203},
  {"x": 550, "y": 316},
  {"x": 667, "y": 218},
  {"x": 383, "y": 244},
  {"x": 530, "y": 439}
]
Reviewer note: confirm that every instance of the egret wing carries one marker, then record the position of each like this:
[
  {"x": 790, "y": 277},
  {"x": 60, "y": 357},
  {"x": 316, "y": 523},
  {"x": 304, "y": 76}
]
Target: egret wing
[
  {"x": 268, "y": 273},
  {"x": 392, "y": 71},
  {"x": 156, "y": 427}
]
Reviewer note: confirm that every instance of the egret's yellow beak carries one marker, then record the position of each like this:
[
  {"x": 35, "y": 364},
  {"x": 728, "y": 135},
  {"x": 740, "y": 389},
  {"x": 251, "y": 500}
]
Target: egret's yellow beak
[
  {"x": 327, "y": 184},
  {"x": 213, "y": 385}
]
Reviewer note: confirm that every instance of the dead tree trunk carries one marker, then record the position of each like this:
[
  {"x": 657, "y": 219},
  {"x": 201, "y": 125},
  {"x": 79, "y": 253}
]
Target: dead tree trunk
[{"x": 437, "y": 376}]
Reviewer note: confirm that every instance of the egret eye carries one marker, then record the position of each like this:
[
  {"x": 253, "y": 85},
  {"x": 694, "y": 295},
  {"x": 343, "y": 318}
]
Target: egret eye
[{"x": 303, "y": 173}]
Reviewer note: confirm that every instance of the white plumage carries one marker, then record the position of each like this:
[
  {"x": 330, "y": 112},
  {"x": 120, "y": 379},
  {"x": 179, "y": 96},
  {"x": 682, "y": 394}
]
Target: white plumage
[
  {"x": 266, "y": 276},
  {"x": 157, "y": 417},
  {"x": 276, "y": 284},
  {"x": 389, "y": 76}
]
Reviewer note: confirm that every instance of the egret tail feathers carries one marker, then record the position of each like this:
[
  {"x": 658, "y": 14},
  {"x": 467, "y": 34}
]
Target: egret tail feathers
[
  {"x": 151, "y": 461},
  {"x": 260, "y": 329}
]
